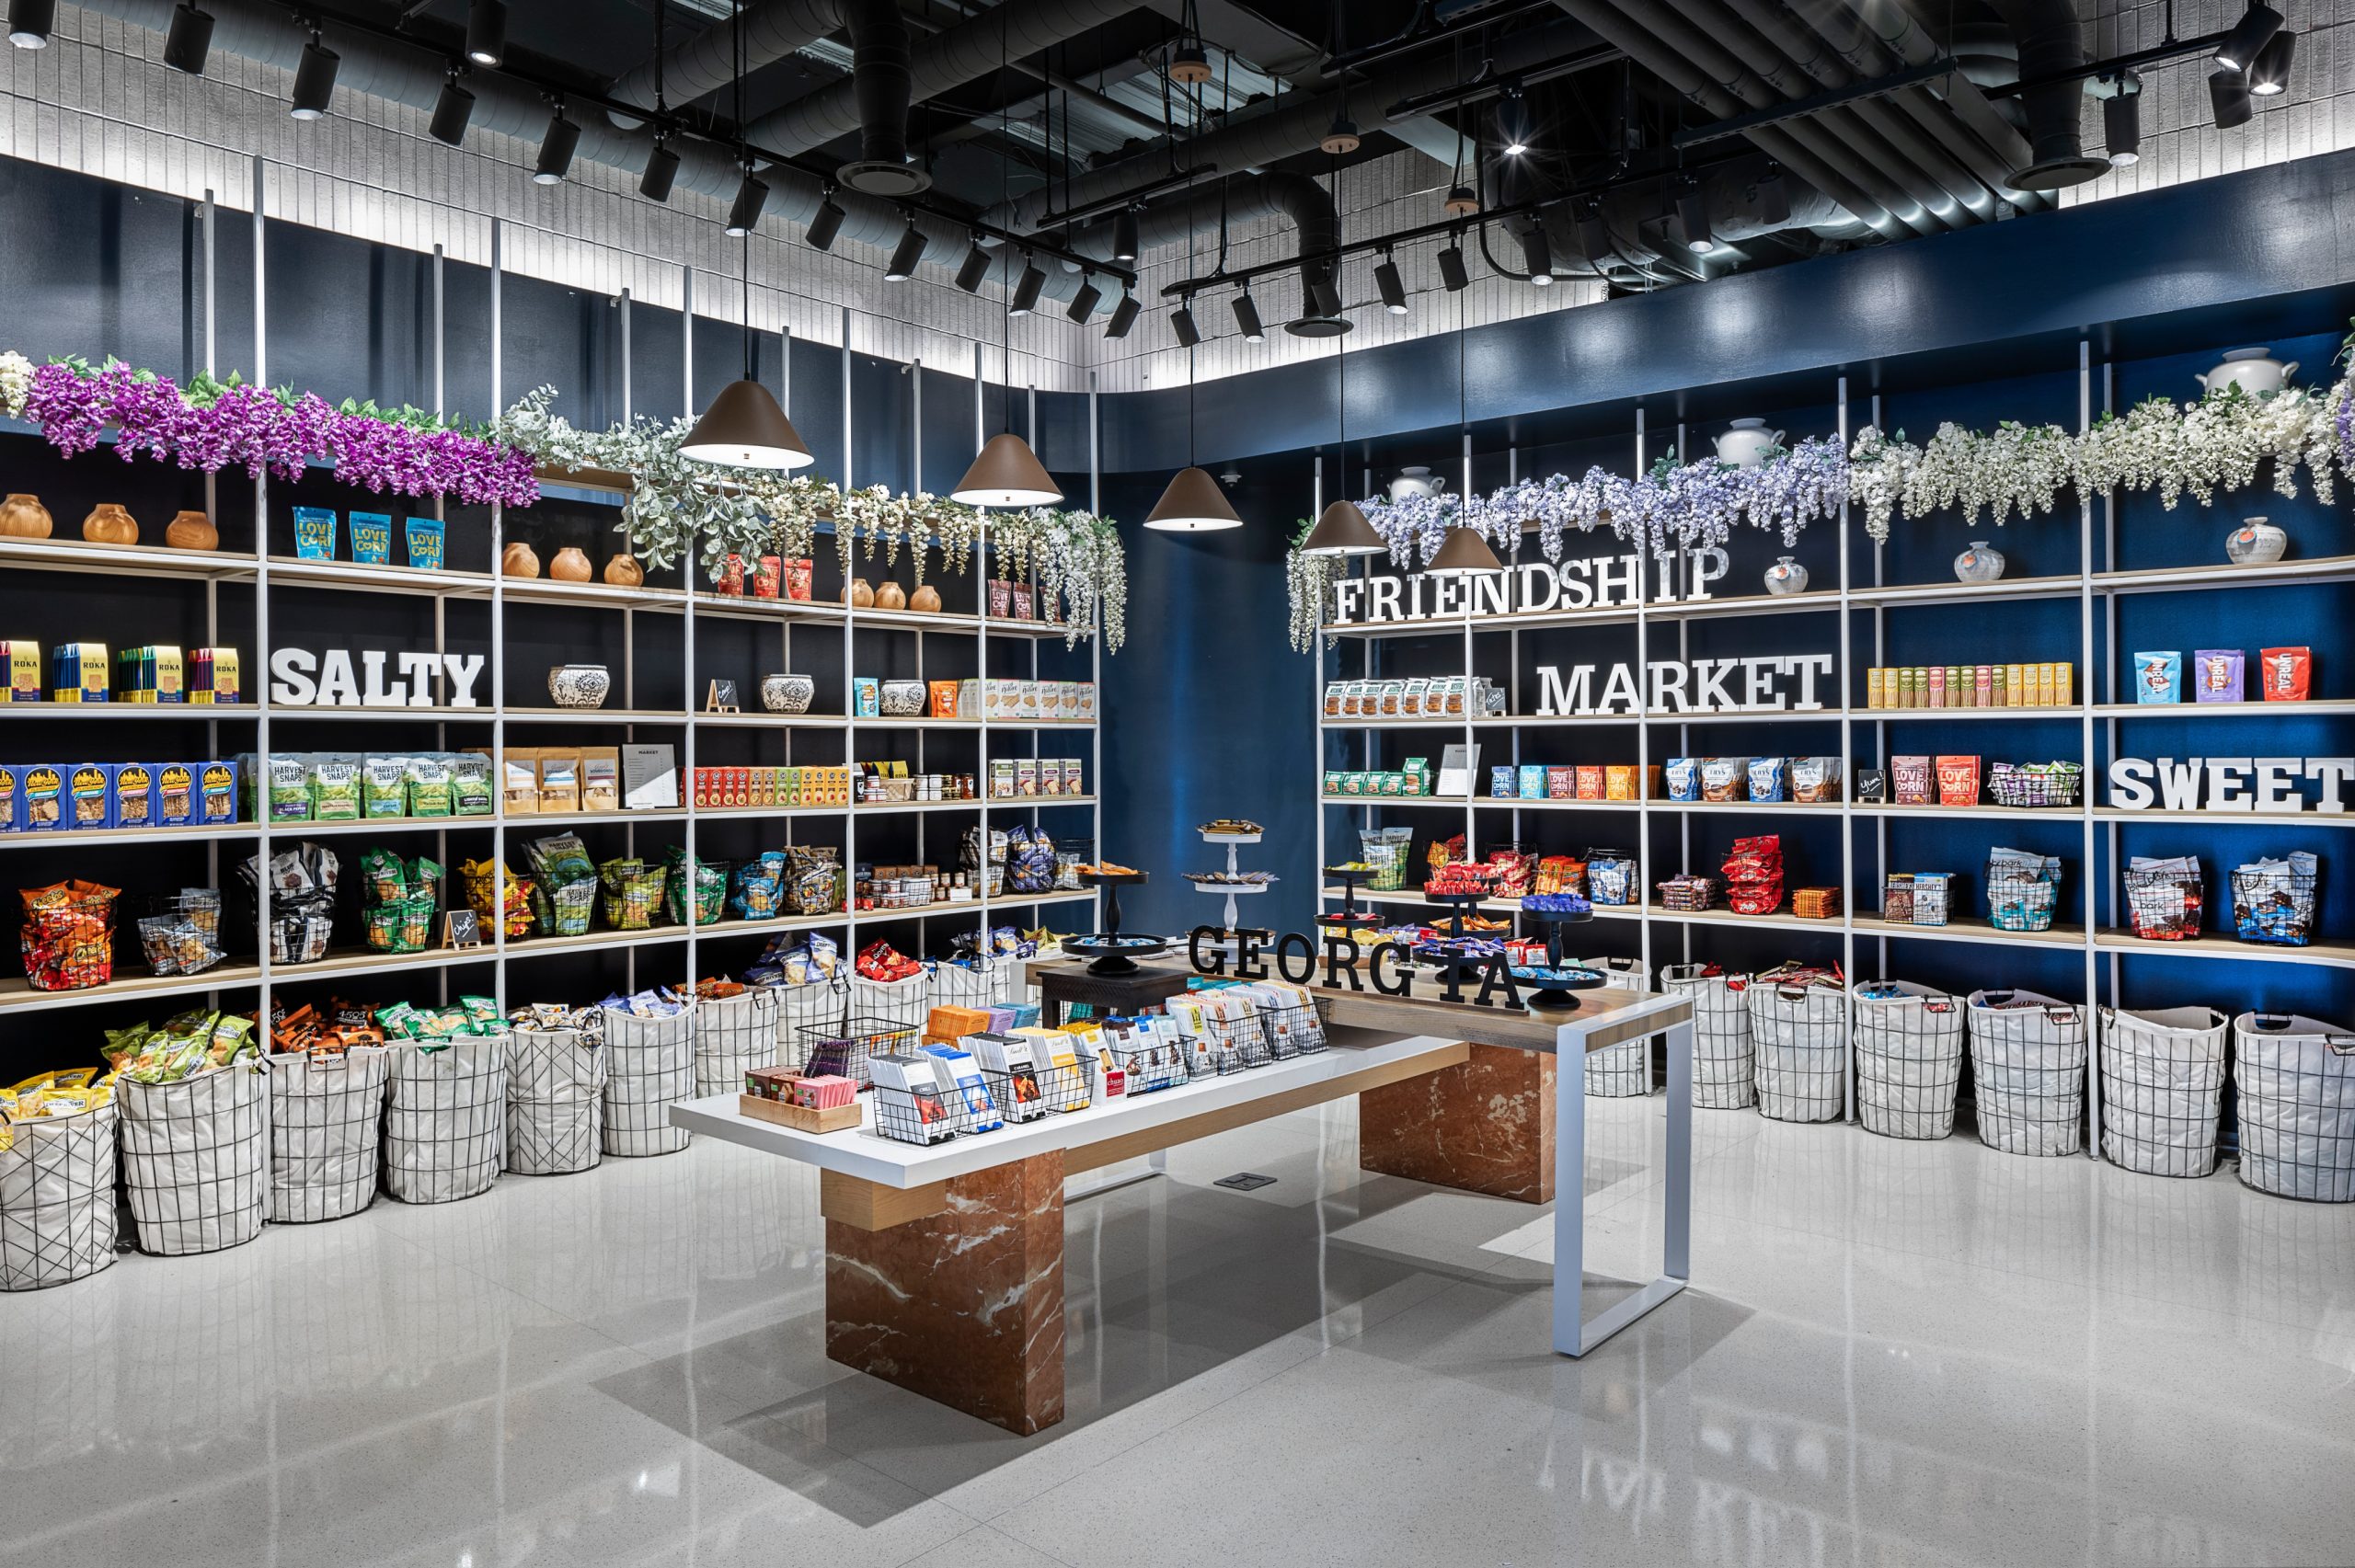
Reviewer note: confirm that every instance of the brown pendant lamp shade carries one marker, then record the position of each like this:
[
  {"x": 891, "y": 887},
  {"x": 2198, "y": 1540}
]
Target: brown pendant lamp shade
[
  {"x": 1463, "y": 553},
  {"x": 745, "y": 429},
  {"x": 1006, "y": 472},
  {"x": 1343, "y": 529},
  {"x": 1193, "y": 504}
]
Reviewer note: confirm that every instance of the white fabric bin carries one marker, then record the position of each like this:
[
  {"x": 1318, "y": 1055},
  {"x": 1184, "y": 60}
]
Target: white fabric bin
[
  {"x": 650, "y": 1067},
  {"x": 2162, "y": 1088},
  {"x": 1723, "y": 1059},
  {"x": 1623, "y": 1070},
  {"x": 2296, "y": 1078},
  {"x": 1909, "y": 1062},
  {"x": 734, "y": 1035},
  {"x": 1800, "y": 1040},
  {"x": 445, "y": 1126},
  {"x": 57, "y": 1199},
  {"x": 196, "y": 1159},
  {"x": 905, "y": 1003},
  {"x": 2028, "y": 1072},
  {"x": 555, "y": 1100},
  {"x": 327, "y": 1123}
]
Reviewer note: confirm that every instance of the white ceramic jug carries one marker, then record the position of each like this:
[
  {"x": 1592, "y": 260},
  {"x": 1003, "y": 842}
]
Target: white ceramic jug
[
  {"x": 2254, "y": 370},
  {"x": 1414, "y": 482},
  {"x": 1746, "y": 444}
]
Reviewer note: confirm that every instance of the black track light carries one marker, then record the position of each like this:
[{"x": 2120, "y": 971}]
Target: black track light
[
  {"x": 1393, "y": 287},
  {"x": 905, "y": 255},
  {"x": 2228, "y": 99},
  {"x": 314, "y": 79},
  {"x": 2251, "y": 33},
  {"x": 1692, "y": 215},
  {"x": 744, "y": 212},
  {"x": 1083, "y": 304},
  {"x": 487, "y": 31},
  {"x": 1124, "y": 315},
  {"x": 2121, "y": 121},
  {"x": 1451, "y": 270},
  {"x": 1324, "y": 292},
  {"x": 1595, "y": 237},
  {"x": 661, "y": 168},
  {"x": 975, "y": 270},
  {"x": 30, "y": 21},
  {"x": 1512, "y": 125},
  {"x": 556, "y": 150},
  {"x": 451, "y": 109},
  {"x": 1124, "y": 234},
  {"x": 1774, "y": 198},
  {"x": 1246, "y": 318},
  {"x": 189, "y": 39},
  {"x": 825, "y": 222},
  {"x": 2269, "y": 77},
  {"x": 1181, "y": 321},
  {"x": 1026, "y": 288},
  {"x": 1536, "y": 256}
]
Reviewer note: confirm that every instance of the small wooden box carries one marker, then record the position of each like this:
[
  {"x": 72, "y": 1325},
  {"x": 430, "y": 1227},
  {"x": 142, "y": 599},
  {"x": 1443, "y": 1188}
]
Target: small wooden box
[{"x": 839, "y": 1119}]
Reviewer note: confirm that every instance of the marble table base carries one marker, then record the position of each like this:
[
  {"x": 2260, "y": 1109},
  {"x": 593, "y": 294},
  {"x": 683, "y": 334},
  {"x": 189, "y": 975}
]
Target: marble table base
[
  {"x": 1486, "y": 1126},
  {"x": 966, "y": 1306}
]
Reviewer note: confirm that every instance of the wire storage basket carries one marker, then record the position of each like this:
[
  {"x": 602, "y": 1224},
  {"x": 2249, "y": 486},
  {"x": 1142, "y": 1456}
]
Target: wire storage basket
[
  {"x": 905, "y": 1002},
  {"x": 847, "y": 1048},
  {"x": 1723, "y": 1057},
  {"x": 445, "y": 1123},
  {"x": 1909, "y": 1058},
  {"x": 821, "y": 1003},
  {"x": 1293, "y": 1029},
  {"x": 1231, "y": 1040},
  {"x": 733, "y": 1035},
  {"x": 2273, "y": 901},
  {"x": 650, "y": 1067},
  {"x": 2035, "y": 783},
  {"x": 326, "y": 1122},
  {"x": 1027, "y": 1094},
  {"x": 2296, "y": 1083},
  {"x": 2023, "y": 890},
  {"x": 1799, "y": 1039},
  {"x": 2028, "y": 1069},
  {"x": 1623, "y": 1070},
  {"x": 556, "y": 1095},
  {"x": 57, "y": 1210},
  {"x": 2166, "y": 900},
  {"x": 196, "y": 1159},
  {"x": 2162, "y": 1088},
  {"x": 1148, "y": 1065}
]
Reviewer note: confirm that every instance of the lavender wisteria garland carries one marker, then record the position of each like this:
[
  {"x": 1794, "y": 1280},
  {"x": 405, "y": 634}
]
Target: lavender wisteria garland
[
  {"x": 211, "y": 424},
  {"x": 1674, "y": 507}
]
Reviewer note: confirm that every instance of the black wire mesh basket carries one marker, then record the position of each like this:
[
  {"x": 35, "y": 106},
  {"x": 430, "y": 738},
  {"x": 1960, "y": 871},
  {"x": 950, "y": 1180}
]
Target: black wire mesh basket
[
  {"x": 2165, "y": 905},
  {"x": 1023, "y": 1094},
  {"x": 1148, "y": 1065},
  {"x": 847, "y": 1052},
  {"x": 1297, "y": 1030},
  {"x": 2275, "y": 908},
  {"x": 1233, "y": 1043}
]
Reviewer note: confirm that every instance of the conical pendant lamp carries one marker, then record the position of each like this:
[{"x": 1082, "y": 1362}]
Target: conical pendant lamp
[
  {"x": 745, "y": 429},
  {"x": 1342, "y": 530},
  {"x": 1194, "y": 503},
  {"x": 1463, "y": 553},
  {"x": 1006, "y": 472}
]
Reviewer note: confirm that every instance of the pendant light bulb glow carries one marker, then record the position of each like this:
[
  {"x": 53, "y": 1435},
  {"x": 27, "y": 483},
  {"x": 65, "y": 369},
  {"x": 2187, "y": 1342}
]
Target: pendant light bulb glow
[
  {"x": 1463, "y": 553},
  {"x": 2248, "y": 36},
  {"x": 1342, "y": 530}
]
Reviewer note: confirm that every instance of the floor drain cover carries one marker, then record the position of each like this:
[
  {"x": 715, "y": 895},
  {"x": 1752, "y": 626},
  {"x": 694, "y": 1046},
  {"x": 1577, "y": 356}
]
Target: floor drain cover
[{"x": 1245, "y": 1180}]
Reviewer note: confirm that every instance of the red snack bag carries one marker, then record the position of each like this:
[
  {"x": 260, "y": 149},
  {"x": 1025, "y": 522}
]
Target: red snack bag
[
  {"x": 1957, "y": 780},
  {"x": 2284, "y": 673}
]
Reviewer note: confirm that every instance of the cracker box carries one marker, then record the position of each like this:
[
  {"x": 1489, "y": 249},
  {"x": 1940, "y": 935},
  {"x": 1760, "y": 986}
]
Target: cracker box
[
  {"x": 1087, "y": 699},
  {"x": 216, "y": 793},
  {"x": 176, "y": 794},
  {"x": 1025, "y": 776},
  {"x": 1075, "y": 775},
  {"x": 1001, "y": 779},
  {"x": 135, "y": 795},
  {"x": 89, "y": 792},
  {"x": 1026, "y": 699},
  {"x": 42, "y": 803}
]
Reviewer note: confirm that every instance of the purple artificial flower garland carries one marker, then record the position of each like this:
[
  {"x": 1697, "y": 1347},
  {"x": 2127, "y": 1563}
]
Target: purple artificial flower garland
[{"x": 213, "y": 425}]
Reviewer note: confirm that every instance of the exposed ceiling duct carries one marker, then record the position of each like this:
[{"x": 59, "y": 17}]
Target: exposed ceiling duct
[
  {"x": 707, "y": 63},
  {"x": 2049, "y": 42},
  {"x": 1240, "y": 197},
  {"x": 880, "y": 83},
  {"x": 1631, "y": 220}
]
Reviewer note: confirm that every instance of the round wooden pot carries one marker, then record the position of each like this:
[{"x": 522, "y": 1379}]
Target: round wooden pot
[
  {"x": 110, "y": 524},
  {"x": 191, "y": 531},
  {"x": 571, "y": 565},
  {"x": 624, "y": 571},
  {"x": 518, "y": 560},
  {"x": 926, "y": 600},
  {"x": 890, "y": 595},
  {"x": 858, "y": 595},
  {"x": 23, "y": 517}
]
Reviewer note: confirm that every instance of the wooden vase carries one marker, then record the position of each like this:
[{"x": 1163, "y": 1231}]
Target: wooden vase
[
  {"x": 23, "y": 517},
  {"x": 191, "y": 531},
  {"x": 624, "y": 571},
  {"x": 110, "y": 524},
  {"x": 859, "y": 596},
  {"x": 518, "y": 560},
  {"x": 570, "y": 566},
  {"x": 926, "y": 599},
  {"x": 890, "y": 595}
]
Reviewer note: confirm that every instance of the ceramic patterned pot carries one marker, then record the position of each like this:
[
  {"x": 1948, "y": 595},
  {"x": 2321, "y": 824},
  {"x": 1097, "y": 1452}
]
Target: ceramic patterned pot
[
  {"x": 2254, "y": 370},
  {"x": 1746, "y": 444},
  {"x": 1785, "y": 576},
  {"x": 904, "y": 699},
  {"x": 579, "y": 685},
  {"x": 788, "y": 693},
  {"x": 191, "y": 531},
  {"x": 1980, "y": 563},
  {"x": 2255, "y": 542},
  {"x": 110, "y": 524}
]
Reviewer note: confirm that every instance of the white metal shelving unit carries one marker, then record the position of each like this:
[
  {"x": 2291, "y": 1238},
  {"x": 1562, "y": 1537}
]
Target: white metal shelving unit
[{"x": 261, "y": 727}]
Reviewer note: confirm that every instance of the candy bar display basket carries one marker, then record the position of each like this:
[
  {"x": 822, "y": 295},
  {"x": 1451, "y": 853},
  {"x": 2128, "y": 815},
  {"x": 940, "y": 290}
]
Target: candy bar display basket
[
  {"x": 1623, "y": 1070},
  {"x": 1723, "y": 1056},
  {"x": 1297, "y": 1030},
  {"x": 2162, "y": 1088},
  {"x": 327, "y": 1116},
  {"x": 734, "y": 1035},
  {"x": 1229, "y": 1045},
  {"x": 1030, "y": 1092},
  {"x": 2035, "y": 783},
  {"x": 928, "y": 1116},
  {"x": 1909, "y": 1058},
  {"x": 2296, "y": 1083},
  {"x": 2165, "y": 905},
  {"x": 556, "y": 1098},
  {"x": 445, "y": 1123},
  {"x": 2274, "y": 906},
  {"x": 2028, "y": 1069},
  {"x": 57, "y": 1210},
  {"x": 1156, "y": 1064},
  {"x": 1799, "y": 1041},
  {"x": 846, "y": 1050},
  {"x": 196, "y": 1159},
  {"x": 650, "y": 1067}
]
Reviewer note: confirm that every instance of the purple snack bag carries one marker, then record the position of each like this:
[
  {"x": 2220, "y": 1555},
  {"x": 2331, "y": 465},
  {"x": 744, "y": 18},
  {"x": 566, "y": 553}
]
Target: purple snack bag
[{"x": 2216, "y": 675}]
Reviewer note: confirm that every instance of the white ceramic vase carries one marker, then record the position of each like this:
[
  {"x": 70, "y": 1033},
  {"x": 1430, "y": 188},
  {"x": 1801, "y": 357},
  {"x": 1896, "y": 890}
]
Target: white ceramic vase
[
  {"x": 2255, "y": 542},
  {"x": 788, "y": 693},
  {"x": 1785, "y": 576},
  {"x": 1982, "y": 563},
  {"x": 2254, "y": 370},
  {"x": 1746, "y": 444}
]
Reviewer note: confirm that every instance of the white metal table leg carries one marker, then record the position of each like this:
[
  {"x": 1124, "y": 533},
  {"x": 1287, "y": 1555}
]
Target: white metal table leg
[{"x": 1574, "y": 1333}]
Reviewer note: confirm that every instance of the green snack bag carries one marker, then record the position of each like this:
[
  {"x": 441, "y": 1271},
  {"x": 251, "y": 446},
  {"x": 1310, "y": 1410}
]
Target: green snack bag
[
  {"x": 481, "y": 1009},
  {"x": 394, "y": 1020},
  {"x": 335, "y": 789},
  {"x": 430, "y": 793},
  {"x": 123, "y": 1043},
  {"x": 385, "y": 878},
  {"x": 384, "y": 787},
  {"x": 231, "y": 1037},
  {"x": 470, "y": 785},
  {"x": 290, "y": 790}
]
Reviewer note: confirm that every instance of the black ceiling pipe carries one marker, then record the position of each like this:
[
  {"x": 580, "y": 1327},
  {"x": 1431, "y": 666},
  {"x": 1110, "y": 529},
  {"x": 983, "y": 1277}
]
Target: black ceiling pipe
[
  {"x": 880, "y": 79},
  {"x": 2050, "y": 41}
]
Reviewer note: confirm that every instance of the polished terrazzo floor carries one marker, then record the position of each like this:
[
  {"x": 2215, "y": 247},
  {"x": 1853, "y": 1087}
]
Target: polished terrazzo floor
[{"x": 1896, "y": 1353}]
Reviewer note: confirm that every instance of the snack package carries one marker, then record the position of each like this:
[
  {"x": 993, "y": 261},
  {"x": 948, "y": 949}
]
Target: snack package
[
  {"x": 1958, "y": 779},
  {"x": 1768, "y": 776},
  {"x": 2218, "y": 675},
  {"x": 1725, "y": 778},
  {"x": 1683, "y": 777},
  {"x": 1815, "y": 780},
  {"x": 2158, "y": 676},
  {"x": 2284, "y": 674},
  {"x": 371, "y": 538},
  {"x": 430, "y": 793},
  {"x": 471, "y": 792},
  {"x": 1909, "y": 779},
  {"x": 384, "y": 787}
]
